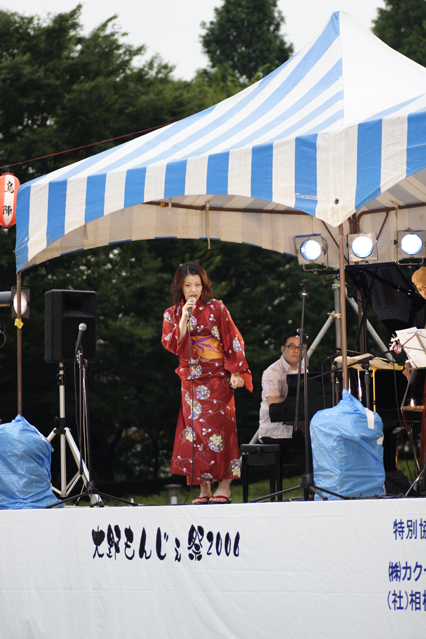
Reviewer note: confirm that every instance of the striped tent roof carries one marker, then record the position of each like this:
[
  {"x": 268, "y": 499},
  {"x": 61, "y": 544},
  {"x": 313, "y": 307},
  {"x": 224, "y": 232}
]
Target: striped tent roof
[{"x": 339, "y": 129}]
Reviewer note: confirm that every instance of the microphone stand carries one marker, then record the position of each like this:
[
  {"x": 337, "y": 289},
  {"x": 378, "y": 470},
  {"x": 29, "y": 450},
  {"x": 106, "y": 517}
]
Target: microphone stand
[
  {"x": 307, "y": 483},
  {"x": 408, "y": 427},
  {"x": 302, "y": 355},
  {"x": 192, "y": 400},
  {"x": 335, "y": 393},
  {"x": 83, "y": 422},
  {"x": 85, "y": 470},
  {"x": 367, "y": 378}
]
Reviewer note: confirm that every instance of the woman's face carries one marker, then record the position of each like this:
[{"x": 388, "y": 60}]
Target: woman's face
[{"x": 192, "y": 287}]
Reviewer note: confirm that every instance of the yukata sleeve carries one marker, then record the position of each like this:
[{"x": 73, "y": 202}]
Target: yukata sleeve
[
  {"x": 170, "y": 335},
  {"x": 233, "y": 344}
]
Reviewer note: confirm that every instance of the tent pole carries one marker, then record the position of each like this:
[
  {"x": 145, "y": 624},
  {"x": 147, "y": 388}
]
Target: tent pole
[
  {"x": 343, "y": 309},
  {"x": 18, "y": 324},
  {"x": 338, "y": 317}
]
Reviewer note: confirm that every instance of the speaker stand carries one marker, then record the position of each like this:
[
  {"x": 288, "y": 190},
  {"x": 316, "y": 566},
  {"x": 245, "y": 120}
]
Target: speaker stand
[{"x": 65, "y": 437}]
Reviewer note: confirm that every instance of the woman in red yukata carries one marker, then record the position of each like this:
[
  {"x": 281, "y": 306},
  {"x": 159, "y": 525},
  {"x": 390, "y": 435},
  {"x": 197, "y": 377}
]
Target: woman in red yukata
[{"x": 200, "y": 330}]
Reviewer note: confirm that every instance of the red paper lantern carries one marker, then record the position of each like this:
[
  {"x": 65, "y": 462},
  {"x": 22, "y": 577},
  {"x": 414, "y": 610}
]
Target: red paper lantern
[{"x": 9, "y": 186}]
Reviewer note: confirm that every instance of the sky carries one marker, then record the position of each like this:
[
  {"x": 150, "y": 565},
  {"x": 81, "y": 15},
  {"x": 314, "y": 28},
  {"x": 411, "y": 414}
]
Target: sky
[{"x": 172, "y": 28}]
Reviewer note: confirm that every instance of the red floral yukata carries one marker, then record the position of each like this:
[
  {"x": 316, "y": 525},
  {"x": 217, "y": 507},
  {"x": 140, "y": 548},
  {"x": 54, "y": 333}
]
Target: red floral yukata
[{"x": 206, "y": 444}]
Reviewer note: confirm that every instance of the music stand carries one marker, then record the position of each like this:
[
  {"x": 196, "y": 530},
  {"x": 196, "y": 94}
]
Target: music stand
[{"x": 413, "y": 341}]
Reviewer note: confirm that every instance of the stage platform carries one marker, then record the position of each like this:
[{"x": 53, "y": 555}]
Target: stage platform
[{"x": 353, "y": 569}]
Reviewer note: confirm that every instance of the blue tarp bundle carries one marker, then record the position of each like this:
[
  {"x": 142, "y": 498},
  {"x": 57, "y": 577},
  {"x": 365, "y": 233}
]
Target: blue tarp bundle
[
  {"x": 25, "y": 456},
  {"x": 347, "y": 449}
]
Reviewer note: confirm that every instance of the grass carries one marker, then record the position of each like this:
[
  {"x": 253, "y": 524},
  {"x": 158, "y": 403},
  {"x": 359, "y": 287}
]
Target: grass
[{"x": 256, "y": 490}]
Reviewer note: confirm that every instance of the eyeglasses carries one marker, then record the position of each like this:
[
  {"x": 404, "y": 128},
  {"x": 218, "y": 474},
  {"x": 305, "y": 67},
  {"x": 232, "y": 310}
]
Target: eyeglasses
[
  {"x": 419, "y": 289},
  {"x": 293, "y": 347}
]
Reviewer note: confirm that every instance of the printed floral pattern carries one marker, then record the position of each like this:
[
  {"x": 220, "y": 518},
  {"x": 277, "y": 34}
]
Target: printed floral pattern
[
  {"x": 189, "y": 435},
  {"x": 235, "y": 468},
  {"x": 195, "y": 407},
  {"x": 236, "y": 345},
  {"x": 216, "y": 443},
  {"x": 196, "y": 371},
  {"x": 206, "y": 444},
  {"x": 202, "y": 392}
]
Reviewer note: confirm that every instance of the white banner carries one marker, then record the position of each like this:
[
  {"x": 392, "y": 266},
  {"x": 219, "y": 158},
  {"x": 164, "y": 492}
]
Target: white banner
[{"x": 295, "y": 569}]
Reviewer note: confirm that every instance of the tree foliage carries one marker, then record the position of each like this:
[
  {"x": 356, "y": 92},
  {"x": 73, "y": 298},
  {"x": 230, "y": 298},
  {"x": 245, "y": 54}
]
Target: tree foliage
[
  {"x": 245, "y": 34},
  {"x": 61, "y": 90},
  {"x": 402, "y": 26}
]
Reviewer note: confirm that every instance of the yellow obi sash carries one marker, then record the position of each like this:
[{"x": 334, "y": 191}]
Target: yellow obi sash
[{"x": 207, "y": 347}]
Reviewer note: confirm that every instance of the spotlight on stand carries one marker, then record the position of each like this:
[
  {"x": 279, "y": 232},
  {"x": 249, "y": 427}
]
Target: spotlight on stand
[
  {"x": 362, "y": 248},
  {"x": 311, "y": 249},
  {"x": 9, "y": 303},
  {"x": 25, "y": 302},
  {"x": 410, "y": 244}
]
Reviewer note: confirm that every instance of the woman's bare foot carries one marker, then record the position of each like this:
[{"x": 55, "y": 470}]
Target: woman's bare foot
[
  {"x": 222, "y": 493},
  {"x": 205, "y": 494}
]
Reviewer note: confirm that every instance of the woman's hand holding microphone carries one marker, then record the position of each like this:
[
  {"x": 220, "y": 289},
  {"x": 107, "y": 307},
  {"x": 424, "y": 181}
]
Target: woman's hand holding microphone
[{"x": 189, "y": 307}]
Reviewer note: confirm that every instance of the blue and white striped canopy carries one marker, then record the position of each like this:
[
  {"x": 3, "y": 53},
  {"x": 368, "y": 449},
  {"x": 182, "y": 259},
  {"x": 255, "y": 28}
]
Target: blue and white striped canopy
[{"x": 337, "y": 135}]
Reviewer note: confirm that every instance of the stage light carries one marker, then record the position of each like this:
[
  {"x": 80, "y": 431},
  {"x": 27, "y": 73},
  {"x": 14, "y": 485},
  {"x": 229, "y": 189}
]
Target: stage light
[
  {"x": 25, "y": 302},
  {"x": 9, "y": 303},
  {"x": 5, "y": 297},
  {"x": 311, "y": 249},
  {"x": 411, "y": 244},
  {"x": 362, "y": 247}
]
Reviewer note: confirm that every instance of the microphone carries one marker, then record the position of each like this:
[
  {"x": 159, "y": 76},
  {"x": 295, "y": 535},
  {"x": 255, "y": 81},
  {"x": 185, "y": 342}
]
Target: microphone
[
  {"x": 191, "y": 299},
  {"x": 82, "y": 327}
]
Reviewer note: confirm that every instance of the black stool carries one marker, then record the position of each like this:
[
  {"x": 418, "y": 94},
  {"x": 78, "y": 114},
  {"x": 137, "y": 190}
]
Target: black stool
[{"x": 262, "y": 455}]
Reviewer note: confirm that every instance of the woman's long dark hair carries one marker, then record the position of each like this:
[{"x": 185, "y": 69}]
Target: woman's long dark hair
[{"x": 191, "y": 268}]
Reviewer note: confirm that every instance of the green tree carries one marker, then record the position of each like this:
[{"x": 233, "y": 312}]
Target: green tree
[
  {"x": 134, "y": 393},
  {"x": 402, "y": 26},
  {"x": 59, "y": 89},
  {"x": 62, "y": 90},
  {"x": 245, "y": 34},
  {"x": 93, "y": 89}
]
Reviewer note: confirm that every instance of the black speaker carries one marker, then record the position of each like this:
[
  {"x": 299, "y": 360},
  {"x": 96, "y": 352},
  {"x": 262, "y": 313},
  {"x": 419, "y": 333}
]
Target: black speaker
[{"x": 64, "y": 311}]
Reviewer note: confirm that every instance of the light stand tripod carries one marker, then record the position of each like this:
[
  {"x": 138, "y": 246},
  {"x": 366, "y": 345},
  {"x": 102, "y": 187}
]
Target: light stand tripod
[{"x": 307, "y": 483}]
